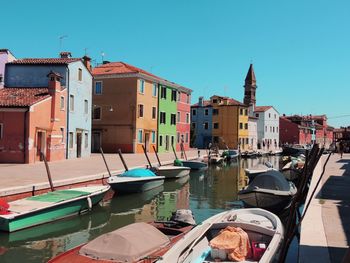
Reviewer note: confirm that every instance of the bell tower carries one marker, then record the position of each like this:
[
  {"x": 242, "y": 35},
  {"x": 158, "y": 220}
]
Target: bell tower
[{"x": 250, "y": 88}]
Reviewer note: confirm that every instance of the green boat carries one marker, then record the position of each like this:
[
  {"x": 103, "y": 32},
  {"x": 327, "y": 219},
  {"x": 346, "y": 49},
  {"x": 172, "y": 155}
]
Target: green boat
[{"x": 44, "y": 208}]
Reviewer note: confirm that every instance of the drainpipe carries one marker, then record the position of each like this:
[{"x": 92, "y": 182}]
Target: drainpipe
[{"x": 67, "y": 128}]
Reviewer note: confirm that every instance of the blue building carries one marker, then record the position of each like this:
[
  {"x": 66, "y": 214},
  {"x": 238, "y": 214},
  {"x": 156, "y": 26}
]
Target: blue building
[
  {"x": 201, "y": 123},
  {"x": 76, "y": 77}
]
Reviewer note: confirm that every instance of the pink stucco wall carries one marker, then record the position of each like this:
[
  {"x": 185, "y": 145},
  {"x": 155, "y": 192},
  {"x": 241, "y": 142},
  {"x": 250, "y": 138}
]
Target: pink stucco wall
[{"x": 182, "y": 126}]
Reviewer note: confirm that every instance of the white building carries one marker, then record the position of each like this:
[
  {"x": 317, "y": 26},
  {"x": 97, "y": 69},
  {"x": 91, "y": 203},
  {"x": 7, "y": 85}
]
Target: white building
[
  {"x": 5, "y": 56},
  {"x": 268, "y": 127},
  {"x": 253, "y": 133}
]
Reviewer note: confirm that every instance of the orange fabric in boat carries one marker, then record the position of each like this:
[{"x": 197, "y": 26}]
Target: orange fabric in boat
[{"x": 235, "y": 241}]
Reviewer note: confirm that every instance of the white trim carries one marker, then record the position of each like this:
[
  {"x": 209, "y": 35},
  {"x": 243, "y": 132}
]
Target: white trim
[{"x": 138, "y": 130}]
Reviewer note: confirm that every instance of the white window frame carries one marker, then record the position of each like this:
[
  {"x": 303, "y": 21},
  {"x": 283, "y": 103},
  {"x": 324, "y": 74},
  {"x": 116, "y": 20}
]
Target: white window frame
[
  {"x": 62, "y": 102},
  {"x": 155, "y": 113},
  {"x": 71, "y": 140},
  {"x": 138, "y": 136},
  {"x": 98, "y": 94},
  {"x": 138, "y": 110},
  {"x": 71, "y": 103},
  {"x": 86, "y": 141},
  {"x": 154, "y": 136},
  {"x": 154, "y": 90},
  {"x": 80, "y": 74},
  {"x": 160, "y": 117},
  {"x": 86, "y": 107},
  {"x": 62, "y": 134},
  {"x": 142, "y": 85},
  {"x": 188, "y": 120}
]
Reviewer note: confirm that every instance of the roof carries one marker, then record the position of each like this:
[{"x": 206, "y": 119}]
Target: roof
[
  {"x": 230, "y": 101},
  {"x": 22, "y": 97},
  {"x": 262, "y": 108},
  {"x": 250, "y": 75},
  {"x": 206, "y": 103},
  {"x": 31, "y": 61}
]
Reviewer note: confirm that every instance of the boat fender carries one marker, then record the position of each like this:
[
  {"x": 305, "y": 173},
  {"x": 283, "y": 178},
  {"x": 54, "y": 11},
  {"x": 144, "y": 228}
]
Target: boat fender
[
  {"x": 4, "y": 206},
  {"x": 89, "y": 202}
]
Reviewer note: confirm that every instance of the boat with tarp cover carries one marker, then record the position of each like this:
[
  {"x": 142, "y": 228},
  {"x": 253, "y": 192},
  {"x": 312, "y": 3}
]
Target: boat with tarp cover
[{"x": 45, "y": 208}]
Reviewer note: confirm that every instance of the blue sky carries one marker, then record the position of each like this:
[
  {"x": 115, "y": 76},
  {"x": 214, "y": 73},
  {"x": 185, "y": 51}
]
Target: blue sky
[{"x": 300, "y": 49}]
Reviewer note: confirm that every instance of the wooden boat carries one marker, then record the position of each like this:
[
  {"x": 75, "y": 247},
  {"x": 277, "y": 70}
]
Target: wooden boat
[
  {"x": 137, "y": 242},
  {"x": 135, "y": 181},
  {"x": 258, "y": 169},
  {"x": 45, "y": 208},
  {"x": 270, "y": 191},
  {"x": 263, "y": 228}
]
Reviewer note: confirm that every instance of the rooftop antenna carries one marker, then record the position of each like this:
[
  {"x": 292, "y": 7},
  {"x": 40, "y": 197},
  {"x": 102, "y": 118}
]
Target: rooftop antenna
[
  {"x": 103, "y": 56},
  {"x": 61, "y": 41}
]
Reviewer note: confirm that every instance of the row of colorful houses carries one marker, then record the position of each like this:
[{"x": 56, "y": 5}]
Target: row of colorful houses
[
  {"x": 64, "y": 108},
  {"x": 227, "y": 122}
]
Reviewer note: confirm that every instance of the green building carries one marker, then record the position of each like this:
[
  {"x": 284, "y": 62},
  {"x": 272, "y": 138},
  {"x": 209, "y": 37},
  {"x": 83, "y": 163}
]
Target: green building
[{"x": 167, "y": 106}]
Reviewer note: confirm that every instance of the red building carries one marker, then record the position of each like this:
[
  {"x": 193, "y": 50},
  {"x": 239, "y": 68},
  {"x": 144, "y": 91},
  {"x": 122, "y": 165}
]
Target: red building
[
  {"x": 183, "y": 118},
  {"x": 294, "y": 133},
  {"x": 33, "y": 120}
]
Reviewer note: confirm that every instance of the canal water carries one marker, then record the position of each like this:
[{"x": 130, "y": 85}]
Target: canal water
[{"x": 206, "y": 193}]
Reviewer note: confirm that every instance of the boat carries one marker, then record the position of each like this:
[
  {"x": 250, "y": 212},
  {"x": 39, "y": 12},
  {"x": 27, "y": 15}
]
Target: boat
[
  {"x": 294, "y": 150},
  {"x": 45, "y": 208},
  {"x": 275, "y": 152},
  {"x": 270, "y": 191},
  {"x": 137, "y": 242},
  {"x": 248, "y": 154},
  {"x": 258, "y": 169},
  {"x": 172, "y": 171},
  {"x": 194, "y": 164},
  {"x": 264, "y": 230},
  {"x": 135, "y": 181},
  {"x": 215, "y": 159},
  {"x": 232, "y": 154}
]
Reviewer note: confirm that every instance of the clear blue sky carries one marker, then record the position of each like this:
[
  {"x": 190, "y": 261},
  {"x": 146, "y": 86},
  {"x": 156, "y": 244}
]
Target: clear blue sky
[{"x": 300, "y": 49}]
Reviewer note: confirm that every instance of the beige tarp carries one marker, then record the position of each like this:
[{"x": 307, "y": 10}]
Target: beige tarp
[{"x": 126, "y": 244}]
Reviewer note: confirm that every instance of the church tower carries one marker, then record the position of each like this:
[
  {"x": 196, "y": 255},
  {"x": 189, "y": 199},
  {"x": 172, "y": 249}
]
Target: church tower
[{"x": 250, "y": 88}]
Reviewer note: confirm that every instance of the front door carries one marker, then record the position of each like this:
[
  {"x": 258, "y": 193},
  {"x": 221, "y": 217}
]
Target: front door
[
  {"x": 167, "y": 142},
  {"x": 79, "y": 139},
  {"x": 96, "y": 141},
  {"x": 40, "y": 145},
  {"x": 147, "y": 141}
]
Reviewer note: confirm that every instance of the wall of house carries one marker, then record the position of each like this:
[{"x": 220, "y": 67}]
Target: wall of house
[
  {"x": 268, "y": 129},
  {"x": 12, "y": 142},
  {"x": 78, "y": 120},
  {"x": 117, "y": 127},
  {"x": 169, "y": 107},
  {"x": 289, "y": 132},
  {"x": 202, "y": 137},
  {"x": 5, "y": 56},
  {"x": 252, "y": 134},
  {"x": 146, "y": 123},
  {"x": 182, "y": 125},
  {"x": 243, "y": 134}
]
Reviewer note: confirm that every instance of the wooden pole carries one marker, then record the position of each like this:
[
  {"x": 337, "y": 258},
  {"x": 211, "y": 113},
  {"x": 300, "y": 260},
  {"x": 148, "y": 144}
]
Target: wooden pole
[
  {"x": 145, "y": 152},
  {"x": 174, "y": 151},
  {"x": 47, "y": 171},
  {"x": 183, "y": 150},
  {"x": 104, "y": 159},
  {"x": 154, "y": 149},
  {"x": 122, "y": 159}
]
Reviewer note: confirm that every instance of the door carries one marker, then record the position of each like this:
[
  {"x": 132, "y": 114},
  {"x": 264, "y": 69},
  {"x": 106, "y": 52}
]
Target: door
[
  {"x": 40, "y": 145},
  {"x": 167, "y": 142},
  {"x": 79, "y": 140},
  {"x": 147, "y": 141},
  {"x": 96, "y": 141}
]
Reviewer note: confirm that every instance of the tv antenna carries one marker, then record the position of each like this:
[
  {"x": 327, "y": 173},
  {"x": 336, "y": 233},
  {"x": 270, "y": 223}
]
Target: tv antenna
[
  {"x": 61, "y": 41},
  {"x": 103, "y": 56}
]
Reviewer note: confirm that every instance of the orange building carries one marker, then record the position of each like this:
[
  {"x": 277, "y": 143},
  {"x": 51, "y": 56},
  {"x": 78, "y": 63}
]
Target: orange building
[{"x": 33, "y": 120}]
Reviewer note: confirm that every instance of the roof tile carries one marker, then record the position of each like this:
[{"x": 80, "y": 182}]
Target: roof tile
[{"x": 22, "y": 97}]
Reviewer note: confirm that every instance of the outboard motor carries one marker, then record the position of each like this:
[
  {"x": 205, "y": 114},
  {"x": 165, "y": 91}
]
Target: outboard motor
[
  {"x": 269, "y": 165},
  {"x": 183, "y": 217}
]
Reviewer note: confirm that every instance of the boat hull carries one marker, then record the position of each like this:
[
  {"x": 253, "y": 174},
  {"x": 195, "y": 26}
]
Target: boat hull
[
  {"x": 173, "y": 173},
  {"x": 50, "y": 214},
  {"x": 195, "y": 165},
  {"x": 136, "y": 186}
]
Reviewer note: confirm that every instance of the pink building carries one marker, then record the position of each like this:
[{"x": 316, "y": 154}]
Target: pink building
[
  {"x": 33, "y": 120},
  {"x": 183, "y": 118},
  {"x": 5, "y": 56}
]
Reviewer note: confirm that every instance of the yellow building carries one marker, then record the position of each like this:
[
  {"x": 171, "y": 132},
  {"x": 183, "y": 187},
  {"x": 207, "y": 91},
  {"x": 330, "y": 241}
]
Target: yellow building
[{"x": 230, "y": 123}]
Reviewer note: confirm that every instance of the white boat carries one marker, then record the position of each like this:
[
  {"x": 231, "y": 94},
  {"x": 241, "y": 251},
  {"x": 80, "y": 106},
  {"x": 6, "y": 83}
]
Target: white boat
[
  {"x": 258, "y": 169},
  {"x": 194, "y": 164},
  {"x": 264, "y": 229},
  {"x": 172, "y": 171},
  {"x": 215, "y": 159},
  {"x": 232, "y": 154}
]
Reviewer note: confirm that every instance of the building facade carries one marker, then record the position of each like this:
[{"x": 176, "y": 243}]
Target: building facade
[
  {"x": 252, "y": 133},
  {"x": 33, "y": 121},
  {"x": 77, "y": 78},
  {"x": 201, "y": 123},
  {"x": 5, "y": 57},
  {"x": 183, "y": 118}
]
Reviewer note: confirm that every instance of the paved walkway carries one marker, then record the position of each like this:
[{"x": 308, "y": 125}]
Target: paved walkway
[
  {"x": 20, "y": 178},
  {"x": 325, "y": 231}
]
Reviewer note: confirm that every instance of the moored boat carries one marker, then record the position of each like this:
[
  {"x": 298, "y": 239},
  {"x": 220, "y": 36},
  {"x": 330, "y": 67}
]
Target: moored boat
[
  {"x": 172, "y": 171},
  {"x": 215, "y": 159},
  {"x": 45, "y": 208},
  {"x": 137, "y": 242},
  {"x": 232, "y": 154},
  {"x": 262, "y": 231},
  {"x": 258, "y": 169},
  {"x": 270, "y": 191},
  {"x": 194, "y": 164}
]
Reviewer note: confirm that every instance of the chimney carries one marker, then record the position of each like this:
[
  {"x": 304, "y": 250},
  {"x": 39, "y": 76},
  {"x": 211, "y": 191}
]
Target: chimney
[
  {"x": 105, "y": 62},
  {"x": 54, "y": 88},
  {"x": 200, "y": 101},
  {"x": 65, "y": 54},
  {"x": 87, "y": 62}
]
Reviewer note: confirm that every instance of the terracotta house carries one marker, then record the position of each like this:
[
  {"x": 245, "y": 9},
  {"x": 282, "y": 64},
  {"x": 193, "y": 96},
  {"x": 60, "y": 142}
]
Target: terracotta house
[
  {"x": 183, "y": 119},
  {"x": 33, "y": 120}
]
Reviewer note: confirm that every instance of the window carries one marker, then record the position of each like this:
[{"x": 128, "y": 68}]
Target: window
[
  {"x": 257, "y": 115},
  {"x": 86, "y": 106},
  {"x": 80, "y": 74},
  {"x": 71, "y": 102},
  {"x": 215, "y": 101},
  {"x": 166, "y": 142},
  {"x": 140, "y": 136},
  {"x": 153, "y": 137},
  {"x": 1, "y": 78},
  {"x": 193, "y": 125},
  {"x": 163, "y": 93},
  {"x": 206, "y": 125},
  {"x": 275, "y": 116},
  {"x": 270, "y": 129},
  {"x": 172, "y": 140},
  {"x": 216, "y": 139},
  {"x": 162, "y": 118},
  {"x": 187, "y": 118},
  {"x": 86, "y": 140},
  {"x": 71, "y": 140},
  {"x": 173, "y": 119},
  {"x": 154, "y": 112},
  {"x": 173, "y": 95},
  {"x": 62, "y": 103},
  {"x": 247, "y": 140},
  {"x": 62, "y": 135},
  {"x": 216, "y": 125},
  {"x": 269, "y": 115},
  {"x": 160, "y": 140},
  {"x": 246, "y": 126},
  {"x": 97, "y": 113},
  {"x": 178, "y": 96},
  {"x": 140, "y": 110},
  {"x": 98, "y": 87},
  {"x": 178, "y": 116},
  {"x": 1, "y": 130},
  {"x": 186, "y": 138},
  {"x": 273, "y": 129},
  {"x": 178, "y": 137},
  {"x": 246, "y": 112},
  {"x": 188, "y": 98},
  {"x": 154, "y": 90},
  {"x": 206, "y": 112},
  {"x": 266, "y": 128},
  {"x": 240, "y": 125},
  {"x": 194, "y": 112},
  {"x": 215, "y": 111},
  {"x": 240, "y": 111},
  {"x": 142, "y": 86}
]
